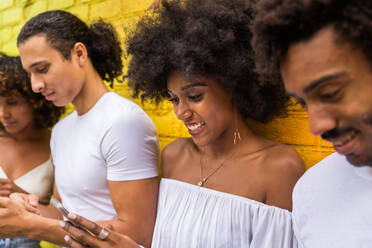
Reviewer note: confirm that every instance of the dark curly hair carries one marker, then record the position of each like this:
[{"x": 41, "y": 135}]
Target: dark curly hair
[
  {"x": 201, "y": 38},
  {"x": 15, "y": 81},
  {"x": 63, "y": 30},
  {"x": 282, "y": 23}
]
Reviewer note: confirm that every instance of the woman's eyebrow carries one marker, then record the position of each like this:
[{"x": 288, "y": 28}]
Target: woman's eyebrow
[{"x": 193, "y": 85}]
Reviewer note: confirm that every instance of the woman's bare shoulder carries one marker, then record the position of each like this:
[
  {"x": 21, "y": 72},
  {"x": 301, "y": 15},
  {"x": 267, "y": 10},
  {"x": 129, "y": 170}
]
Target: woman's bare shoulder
[
  {"x": 173, "y": 153},
  {"x": 283, "y": 166}
]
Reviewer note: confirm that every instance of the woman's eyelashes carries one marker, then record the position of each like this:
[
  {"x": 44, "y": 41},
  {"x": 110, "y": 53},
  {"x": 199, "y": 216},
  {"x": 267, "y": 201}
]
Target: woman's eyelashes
[
  {"x": 173, "y": 100},
  {"x": 193, "y": 98}
]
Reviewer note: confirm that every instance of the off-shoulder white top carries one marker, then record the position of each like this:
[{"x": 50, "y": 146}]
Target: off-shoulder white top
[{"x": 189, "y": 216}]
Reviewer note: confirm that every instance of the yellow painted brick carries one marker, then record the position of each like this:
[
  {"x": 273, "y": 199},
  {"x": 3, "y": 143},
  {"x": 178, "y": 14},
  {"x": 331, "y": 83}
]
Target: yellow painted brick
[
  {"x": 168, "y": 125},
  {"x": 59, "y": 4},
  {"x": 105, "y": 9},
  {"x": 134, "y": 6},
  {"x": 10, "y": 48},
  {"x": 5, "y": 4},
  {"x": 81, "y": 11},
  {"x": 15, "y": 31},
  {"x": 164, "y": 141},
  {"x": 84, "y": 1},
  {"x": 11, "y": 16},
  {"x": 289, "y": 130},
  {"x": 312, "y": 156},
  {"x": 23, "y": 3},
  {"x": 35, "y": 8},
  {"x": 6, "y": 34},
  {"x": 123, "y": 25},
  {"x": 325, "y": 143}
]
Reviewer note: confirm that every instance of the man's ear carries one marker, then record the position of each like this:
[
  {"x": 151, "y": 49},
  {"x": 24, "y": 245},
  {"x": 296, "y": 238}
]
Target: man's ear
[{"x": 79, "y": 53}]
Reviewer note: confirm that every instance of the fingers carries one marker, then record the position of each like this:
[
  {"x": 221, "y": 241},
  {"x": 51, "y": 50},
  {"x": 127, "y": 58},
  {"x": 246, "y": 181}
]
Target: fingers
[
  {"x": 72, "y": 243},
  {"x": 32, "y": 209},
  {"x": 25, "y": 200},
  {"x": 33, "y": 200},
  {"x": 4, "y": 180},
  {"x": 89, "y": 225},
  {"x": 5, "y": 192},
  {"x": 4, "y": 202},
  {"x": 79, "y": 236}
]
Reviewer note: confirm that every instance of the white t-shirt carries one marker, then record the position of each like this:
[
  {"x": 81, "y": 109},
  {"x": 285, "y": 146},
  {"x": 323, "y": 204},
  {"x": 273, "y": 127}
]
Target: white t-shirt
[
  {"x": 332, "y": 205},
  {"x": 115, "y": 140}
]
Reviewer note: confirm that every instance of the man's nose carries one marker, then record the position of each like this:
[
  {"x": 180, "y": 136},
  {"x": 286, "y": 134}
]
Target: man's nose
[
  {"x": 37, "y": 84},
  {"x": 321, "y": 120}
]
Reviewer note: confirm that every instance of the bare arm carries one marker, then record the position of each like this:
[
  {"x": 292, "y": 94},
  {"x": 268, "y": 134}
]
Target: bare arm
[
  {"x": 49, "y": 211},
  {"x": 135, "y": 203}
]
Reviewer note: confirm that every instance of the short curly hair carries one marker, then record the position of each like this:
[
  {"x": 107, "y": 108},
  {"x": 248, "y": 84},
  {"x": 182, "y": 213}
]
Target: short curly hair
[
  {"x": 15, "y": 81},
  {"x": 201, "y": 38},
  {"x": 282, "y": 23},
  {"x": 63, "y": 30}
]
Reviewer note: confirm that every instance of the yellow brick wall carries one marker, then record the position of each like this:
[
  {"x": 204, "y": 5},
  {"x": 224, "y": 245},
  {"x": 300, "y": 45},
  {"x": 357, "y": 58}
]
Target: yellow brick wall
[{"x": 13, "y": 13}]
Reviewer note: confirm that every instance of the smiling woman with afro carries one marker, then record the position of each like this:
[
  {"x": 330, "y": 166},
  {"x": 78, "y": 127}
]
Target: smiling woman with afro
[{"x": 197, "y": 38}]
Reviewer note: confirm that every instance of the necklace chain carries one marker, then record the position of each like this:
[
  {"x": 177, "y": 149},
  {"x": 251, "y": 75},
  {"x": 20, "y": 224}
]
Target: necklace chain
[{"x": 203, "y": 180}]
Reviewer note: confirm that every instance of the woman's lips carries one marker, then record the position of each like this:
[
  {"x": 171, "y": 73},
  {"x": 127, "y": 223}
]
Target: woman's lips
[{"x": 195, "y": 128}]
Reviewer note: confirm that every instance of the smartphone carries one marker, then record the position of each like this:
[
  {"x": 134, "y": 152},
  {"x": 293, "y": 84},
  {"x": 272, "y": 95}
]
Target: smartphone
[{"x": 58, "y": 205}]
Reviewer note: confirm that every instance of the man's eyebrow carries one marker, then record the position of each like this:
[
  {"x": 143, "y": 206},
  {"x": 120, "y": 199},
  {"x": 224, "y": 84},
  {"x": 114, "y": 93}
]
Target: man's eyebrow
[
  {"x": 322, "y": 80},
  {"x": 36, "y": 64},
  {"x": 193, "y": 85}
]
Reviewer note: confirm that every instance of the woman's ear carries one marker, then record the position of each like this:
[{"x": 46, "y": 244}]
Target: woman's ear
[{"x": 79, "y": 53}]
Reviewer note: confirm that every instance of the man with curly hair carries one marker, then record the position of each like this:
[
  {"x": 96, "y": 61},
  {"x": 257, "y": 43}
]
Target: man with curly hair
[{"x": 322, "y": 51}]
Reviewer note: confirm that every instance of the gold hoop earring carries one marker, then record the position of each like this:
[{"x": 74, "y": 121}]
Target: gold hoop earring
[{"x": 237, "y": 137}]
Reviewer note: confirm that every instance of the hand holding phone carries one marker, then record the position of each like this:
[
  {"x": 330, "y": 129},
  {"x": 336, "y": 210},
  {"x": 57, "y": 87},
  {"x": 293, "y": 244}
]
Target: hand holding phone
[{"x": 58, "y": 205}]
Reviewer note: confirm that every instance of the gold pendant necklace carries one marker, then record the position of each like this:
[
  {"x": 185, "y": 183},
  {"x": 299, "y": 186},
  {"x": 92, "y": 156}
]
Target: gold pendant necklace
[{"x": 203, "y": 180}]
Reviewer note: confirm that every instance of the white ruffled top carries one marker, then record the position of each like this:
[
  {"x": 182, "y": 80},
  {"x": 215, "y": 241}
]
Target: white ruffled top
[{"x": 193, "y": 217}]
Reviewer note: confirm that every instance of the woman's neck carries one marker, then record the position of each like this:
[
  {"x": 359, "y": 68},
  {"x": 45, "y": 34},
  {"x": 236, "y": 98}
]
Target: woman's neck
[
  {"x": 29, "y": 134},
  {"x": 224, "y": 146}
]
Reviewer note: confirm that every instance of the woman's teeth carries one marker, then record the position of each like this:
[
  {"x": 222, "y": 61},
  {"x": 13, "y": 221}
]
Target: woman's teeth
[{"x": 195, "y": 126}]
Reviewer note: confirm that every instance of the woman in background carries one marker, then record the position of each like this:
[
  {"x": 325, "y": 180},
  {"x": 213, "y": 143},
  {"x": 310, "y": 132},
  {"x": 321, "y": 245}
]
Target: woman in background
[
  {"x": 225, "y": 186},
  {"x": 25, "y": 122}
]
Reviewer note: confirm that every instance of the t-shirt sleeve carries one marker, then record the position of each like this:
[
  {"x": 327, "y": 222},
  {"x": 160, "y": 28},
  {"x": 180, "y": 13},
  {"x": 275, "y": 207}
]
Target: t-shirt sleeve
[{"x": 130, "y": 147}]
